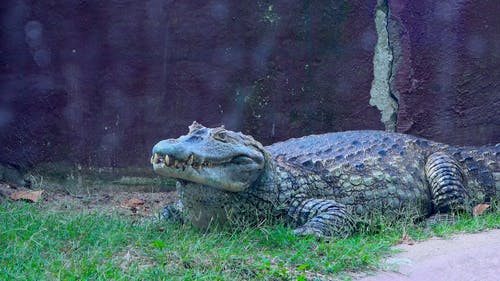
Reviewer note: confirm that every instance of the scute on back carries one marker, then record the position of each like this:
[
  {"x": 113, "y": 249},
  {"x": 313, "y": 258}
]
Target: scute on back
[{"x": 333, "y": 149}]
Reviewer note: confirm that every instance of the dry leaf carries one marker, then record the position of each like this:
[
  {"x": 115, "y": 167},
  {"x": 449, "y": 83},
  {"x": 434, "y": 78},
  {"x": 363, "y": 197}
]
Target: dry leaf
[
  {"x": 133, "y": 203},
  {"x": 479, "y": 209},
  {"x": 31, "y": 196},
  {"x": 406, "y": 239}
]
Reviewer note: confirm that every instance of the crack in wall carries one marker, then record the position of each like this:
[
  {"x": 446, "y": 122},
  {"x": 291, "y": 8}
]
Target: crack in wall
[{"x": 380, "y": 92}]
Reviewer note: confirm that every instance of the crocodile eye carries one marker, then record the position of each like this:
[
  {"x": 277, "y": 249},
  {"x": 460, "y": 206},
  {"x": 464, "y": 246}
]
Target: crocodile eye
[{"x": 220, "y": 135}]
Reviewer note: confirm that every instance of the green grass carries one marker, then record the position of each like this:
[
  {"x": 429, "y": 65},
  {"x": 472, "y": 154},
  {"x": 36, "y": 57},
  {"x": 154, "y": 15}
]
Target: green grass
[{"x": 38, "y": 243}]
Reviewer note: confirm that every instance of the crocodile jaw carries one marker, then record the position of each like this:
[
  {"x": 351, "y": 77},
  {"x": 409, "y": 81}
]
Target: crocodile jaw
[{"x": 235, "y": 175}]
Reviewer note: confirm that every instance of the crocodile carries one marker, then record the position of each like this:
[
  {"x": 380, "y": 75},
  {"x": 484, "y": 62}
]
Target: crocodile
[{"x": 323, "y": 184}]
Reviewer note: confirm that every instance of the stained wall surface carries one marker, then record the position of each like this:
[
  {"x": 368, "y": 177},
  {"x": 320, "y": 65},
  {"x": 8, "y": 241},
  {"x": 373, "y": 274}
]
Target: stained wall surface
[{"x": 97, "y": 83}]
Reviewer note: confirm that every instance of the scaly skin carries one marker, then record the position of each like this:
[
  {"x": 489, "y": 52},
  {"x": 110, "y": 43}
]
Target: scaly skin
[{"x": 322, "y": 184}]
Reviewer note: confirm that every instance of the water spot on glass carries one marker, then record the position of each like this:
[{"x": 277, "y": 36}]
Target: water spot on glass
[
  {"x": 6, "y": 117},
  {"x": 219, "y": 10},
  {"x": 41, "y": 57},
  {"x": 368, "y": 40},
  {"x": 476, "y": 46},
  {"x": 447, "y": 11},
  {"x": 33, "y": 31}
]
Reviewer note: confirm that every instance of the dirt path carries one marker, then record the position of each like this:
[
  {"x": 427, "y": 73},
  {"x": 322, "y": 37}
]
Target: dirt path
[{"x": 461, "y": 257}]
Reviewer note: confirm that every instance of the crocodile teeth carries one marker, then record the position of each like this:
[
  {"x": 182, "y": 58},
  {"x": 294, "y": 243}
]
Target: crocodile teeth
[
  {"x": 154, "y": 159},
  {"x": 175, "y": 163}
]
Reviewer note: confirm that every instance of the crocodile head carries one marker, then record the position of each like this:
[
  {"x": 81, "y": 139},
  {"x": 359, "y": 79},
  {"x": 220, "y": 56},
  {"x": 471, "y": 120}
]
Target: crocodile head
[{"x": 213, "y": 157}]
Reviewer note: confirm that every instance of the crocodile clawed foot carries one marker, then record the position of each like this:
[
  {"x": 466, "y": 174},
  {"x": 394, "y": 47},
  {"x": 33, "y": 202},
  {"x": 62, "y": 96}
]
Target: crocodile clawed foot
[
  {"x": 441, "y": 218},
  {"x": 308, "y": 231},
  {"x": 311, "y": 232},
  {"x": 171, "y": 213}
]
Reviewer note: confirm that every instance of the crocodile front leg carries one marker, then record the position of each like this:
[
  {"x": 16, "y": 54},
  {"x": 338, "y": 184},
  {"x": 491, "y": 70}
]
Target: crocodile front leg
[
  {"x": 320, "y": 217},
  {"x": 172, "y": 212}
]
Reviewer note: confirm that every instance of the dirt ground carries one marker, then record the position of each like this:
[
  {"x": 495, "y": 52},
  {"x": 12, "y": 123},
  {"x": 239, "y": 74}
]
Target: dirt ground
[{"x": 124, "y": 201}]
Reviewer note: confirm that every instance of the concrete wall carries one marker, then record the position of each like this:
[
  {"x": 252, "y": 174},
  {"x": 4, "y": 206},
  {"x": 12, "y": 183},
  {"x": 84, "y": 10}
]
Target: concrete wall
[{"x": 99, "y": 82}]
